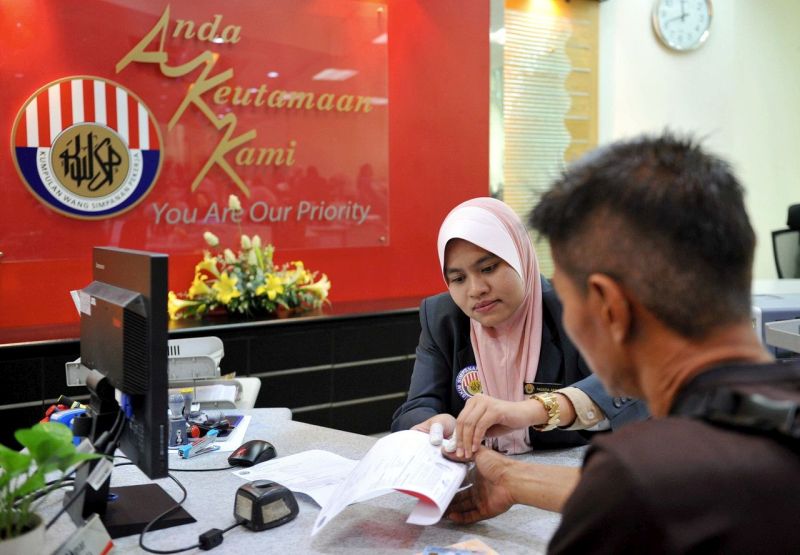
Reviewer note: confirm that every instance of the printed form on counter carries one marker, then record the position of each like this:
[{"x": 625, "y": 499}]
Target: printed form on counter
[{"x": 404, "y": 461}]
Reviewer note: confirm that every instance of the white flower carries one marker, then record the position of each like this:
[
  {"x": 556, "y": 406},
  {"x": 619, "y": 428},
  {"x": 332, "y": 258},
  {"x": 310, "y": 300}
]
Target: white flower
[
  {"x": 211, "y": 239},
  {"x": 230, "y": 258},
  {"x": 256, "y": 242},
  {"x": 246, "y": 245},
  {"x": 233, "y": 203}
]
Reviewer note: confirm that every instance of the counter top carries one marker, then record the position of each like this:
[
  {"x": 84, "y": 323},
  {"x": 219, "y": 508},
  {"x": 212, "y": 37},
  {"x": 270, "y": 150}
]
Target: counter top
[
  {"x": 374, "y": 526},
  {"x": 70, "y": 332}
]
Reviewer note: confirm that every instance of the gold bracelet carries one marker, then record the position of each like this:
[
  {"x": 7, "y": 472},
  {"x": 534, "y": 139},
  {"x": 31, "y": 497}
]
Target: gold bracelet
[{"x": 550, "y": 402}]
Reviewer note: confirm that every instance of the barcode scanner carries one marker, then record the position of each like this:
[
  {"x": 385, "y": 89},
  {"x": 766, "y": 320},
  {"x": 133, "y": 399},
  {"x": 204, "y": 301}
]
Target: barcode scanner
[{"x": 264, "y": 504}]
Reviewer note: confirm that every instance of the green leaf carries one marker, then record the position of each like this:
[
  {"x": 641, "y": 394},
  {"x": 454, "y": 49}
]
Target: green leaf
[
  {"x": 34, "y": 482},
  {"x": 50, "y": 445},
  {"x": 45, "y": 441},
  {"x": 13, "y": 463}
]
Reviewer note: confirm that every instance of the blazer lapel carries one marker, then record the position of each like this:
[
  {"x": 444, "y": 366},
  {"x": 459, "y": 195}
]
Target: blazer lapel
[
  {"x": 465, "y": 357},
  {"x": 551, "y": 362}
]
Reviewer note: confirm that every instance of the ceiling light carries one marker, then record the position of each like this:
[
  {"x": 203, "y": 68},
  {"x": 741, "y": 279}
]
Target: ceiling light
[{"x": 332, "y": 74}]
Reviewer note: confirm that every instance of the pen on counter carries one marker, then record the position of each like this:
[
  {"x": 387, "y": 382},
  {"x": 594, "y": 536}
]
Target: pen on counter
[{"x": 200, "y": 446}]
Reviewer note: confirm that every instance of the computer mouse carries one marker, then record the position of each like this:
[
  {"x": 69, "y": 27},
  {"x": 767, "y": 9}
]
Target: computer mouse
[{"x": 252, "y": 452}]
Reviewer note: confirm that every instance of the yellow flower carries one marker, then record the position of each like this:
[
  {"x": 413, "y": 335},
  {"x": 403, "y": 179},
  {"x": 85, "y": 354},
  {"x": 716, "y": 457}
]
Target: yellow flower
[
  {"x": 233, "y": 203},
  {"x": 246, "y": 242},
  {"x": 320, "y": 288},
  {"x": 272, "y": 287},
  {"x": 176, "y": 305},
  {"x": 209, "y": 264},
  {"x": 226, "y": 288},
  {"x": 211, "y": 239},
  {"x": 199, "y": 287},
  {"x": 298, "y": 275}
]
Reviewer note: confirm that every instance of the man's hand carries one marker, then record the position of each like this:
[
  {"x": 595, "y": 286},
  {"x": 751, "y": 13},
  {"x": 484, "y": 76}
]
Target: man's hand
[
  {"x": 489, "y": 495},
  {"x": 498, "y": 482}
]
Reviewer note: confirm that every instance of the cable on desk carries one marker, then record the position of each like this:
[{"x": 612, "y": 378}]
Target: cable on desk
[
  {"x": 68, "y": 504},
  {"x": 49, "y": 487},
  {"x": 201, "y": 469},
  {"x": 207, "y": 540},
  {"x": 116, "y": 431}
]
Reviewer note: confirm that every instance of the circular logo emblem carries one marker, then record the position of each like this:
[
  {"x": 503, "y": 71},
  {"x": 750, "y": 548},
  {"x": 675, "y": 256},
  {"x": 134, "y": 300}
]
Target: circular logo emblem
[
  {"x": 87, "y": 147},
  {"x": 527, "y": 388},
  {"x": 468, "y": 383}
]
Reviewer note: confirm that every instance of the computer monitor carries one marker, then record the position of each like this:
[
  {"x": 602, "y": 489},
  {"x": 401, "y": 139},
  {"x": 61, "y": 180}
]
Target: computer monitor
[{"x": 123, "y": 315}]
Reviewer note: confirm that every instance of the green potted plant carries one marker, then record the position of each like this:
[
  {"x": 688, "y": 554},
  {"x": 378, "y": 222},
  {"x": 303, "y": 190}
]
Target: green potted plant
[{"x": 22, "y": 475}]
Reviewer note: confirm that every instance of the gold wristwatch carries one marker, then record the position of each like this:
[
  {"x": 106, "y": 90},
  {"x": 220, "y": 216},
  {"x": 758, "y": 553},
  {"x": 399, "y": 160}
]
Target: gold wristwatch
[{"x": 550, "y": 402}]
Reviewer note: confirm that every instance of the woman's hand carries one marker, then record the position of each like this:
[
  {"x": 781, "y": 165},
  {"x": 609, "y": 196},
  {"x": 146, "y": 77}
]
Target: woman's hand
[
  {"x": 485, "y": 416},
  {"x": 447, "y": 421}
]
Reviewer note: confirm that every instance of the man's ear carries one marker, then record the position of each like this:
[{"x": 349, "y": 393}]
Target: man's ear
[{"x": 608, "y": 299}]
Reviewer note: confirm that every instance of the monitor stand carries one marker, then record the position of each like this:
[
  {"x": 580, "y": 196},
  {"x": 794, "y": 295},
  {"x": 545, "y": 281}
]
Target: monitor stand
[
  {"x": 130, "y": 508},
  {"x": 124, "y": 510}
]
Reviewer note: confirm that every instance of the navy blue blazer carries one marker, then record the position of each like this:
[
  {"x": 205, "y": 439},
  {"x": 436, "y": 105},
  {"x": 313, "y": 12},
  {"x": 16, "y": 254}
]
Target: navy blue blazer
[{"x": 445, "y": 349}]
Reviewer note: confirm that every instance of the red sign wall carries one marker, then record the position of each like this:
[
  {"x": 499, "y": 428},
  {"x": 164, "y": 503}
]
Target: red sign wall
[
  {"x": 281, "y": 103},
  {"x": 243, "y": 103}
]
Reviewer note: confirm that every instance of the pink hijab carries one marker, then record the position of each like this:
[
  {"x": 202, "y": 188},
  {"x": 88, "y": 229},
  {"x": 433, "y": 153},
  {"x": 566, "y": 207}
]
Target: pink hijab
[{"x": 507, "y": 355}]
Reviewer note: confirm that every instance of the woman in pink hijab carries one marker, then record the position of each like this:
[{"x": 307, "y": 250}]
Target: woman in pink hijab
[{"x": 493, "y": 359}]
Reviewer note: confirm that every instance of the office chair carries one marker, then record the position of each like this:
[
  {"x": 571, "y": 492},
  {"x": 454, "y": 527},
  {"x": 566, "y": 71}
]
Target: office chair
[{"x": 786, "y": 245}]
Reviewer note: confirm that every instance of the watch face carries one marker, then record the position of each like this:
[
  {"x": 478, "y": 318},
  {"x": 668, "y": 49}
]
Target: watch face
[{"x": 682, "y": 24}]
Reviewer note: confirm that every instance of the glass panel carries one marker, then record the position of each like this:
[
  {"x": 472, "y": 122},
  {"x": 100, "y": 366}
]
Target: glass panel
[
  {"x": 543, "y": 107},
  {"x": 132, "y": 122}
]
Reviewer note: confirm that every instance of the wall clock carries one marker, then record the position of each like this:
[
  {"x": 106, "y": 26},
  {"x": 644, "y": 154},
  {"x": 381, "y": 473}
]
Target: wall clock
[{"x": 682, "y": 24}]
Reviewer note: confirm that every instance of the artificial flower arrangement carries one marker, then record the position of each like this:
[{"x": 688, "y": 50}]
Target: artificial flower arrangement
[{"x": 248, "y": 282}]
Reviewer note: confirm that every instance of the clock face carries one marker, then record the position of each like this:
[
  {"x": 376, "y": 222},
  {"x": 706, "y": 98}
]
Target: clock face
[{"x": 682, "y": 24}]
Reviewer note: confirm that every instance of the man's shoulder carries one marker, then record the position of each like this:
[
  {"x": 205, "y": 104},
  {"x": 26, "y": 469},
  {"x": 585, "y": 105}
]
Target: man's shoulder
[
  {"x": 680, "y": 485},
  {"x": 662, "y": 454},
  {"x": 663, "y": 437}
]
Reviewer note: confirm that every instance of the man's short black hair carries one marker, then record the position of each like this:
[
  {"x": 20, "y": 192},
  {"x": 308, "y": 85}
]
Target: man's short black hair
[{"x": 664, "y": 218}]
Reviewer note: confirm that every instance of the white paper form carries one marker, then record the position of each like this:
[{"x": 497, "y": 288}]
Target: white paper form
[
  {"x": 316, "y": 473},
  {"x": 404, "y": 461}
]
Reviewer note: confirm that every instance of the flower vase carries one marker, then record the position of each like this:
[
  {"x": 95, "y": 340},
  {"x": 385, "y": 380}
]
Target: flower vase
[
  {"x": 31, "y": 541},
  {"x": 216, "y": 312},
  {"x": 282, "y": 312}
]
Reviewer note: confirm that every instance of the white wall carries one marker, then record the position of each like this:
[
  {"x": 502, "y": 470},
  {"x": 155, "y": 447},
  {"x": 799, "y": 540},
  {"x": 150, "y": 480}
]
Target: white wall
[{"x": 741, "y": 91}]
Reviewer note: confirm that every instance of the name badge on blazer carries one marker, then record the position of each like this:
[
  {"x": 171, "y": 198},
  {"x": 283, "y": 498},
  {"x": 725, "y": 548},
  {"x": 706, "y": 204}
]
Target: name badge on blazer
[{"x": 529, "y": 388}]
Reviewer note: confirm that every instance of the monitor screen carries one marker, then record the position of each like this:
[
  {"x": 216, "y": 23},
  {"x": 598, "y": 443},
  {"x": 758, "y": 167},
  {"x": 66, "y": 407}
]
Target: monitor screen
[
  {"x": 124, "y": 345},
  {"x": 124, "y": 338}
]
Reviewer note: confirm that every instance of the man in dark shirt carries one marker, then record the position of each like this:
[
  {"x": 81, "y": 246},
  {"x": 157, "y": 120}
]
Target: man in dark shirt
[{"x": 653, "y": 253}]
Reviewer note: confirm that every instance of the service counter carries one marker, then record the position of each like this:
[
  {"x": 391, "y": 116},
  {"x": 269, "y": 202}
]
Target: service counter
[{"x": 347, "y": 368}]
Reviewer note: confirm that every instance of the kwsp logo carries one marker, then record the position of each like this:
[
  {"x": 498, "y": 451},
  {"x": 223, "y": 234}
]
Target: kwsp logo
[{"x": 87, "y": 147}]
